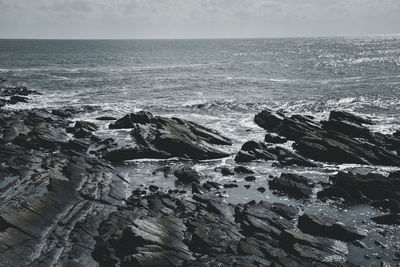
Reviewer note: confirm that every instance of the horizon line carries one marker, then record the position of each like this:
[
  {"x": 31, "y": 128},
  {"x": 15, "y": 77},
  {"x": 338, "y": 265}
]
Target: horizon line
[{"x": 204, "y": 38}]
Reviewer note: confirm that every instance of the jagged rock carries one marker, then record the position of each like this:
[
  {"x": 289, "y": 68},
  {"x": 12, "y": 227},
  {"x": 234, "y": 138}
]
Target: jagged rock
[
  {"x": 243, "y": 170},
  {"x": 52, "y": 201},
  {"x": 68, "y": 111},
  {"x": 3, "y": 102},
  {"x": 274, "y": 138},
  {"x": 209, "y": 185},
  {"x": 225, "y": 170},
  {"x": 261, "y": 189},
  {"x": 392, "y": 218},
  {"x": 327, "y": 227},
  {"x": 16, "y": 90},
  {"x": 319, "y": 249},
  {"x": 341, "y": 139},
  {"x": 106, "y": 118},
  {"x": 252, "y": 151},
  {"x": 18, "y": 99},
  {"x": 160, "y": 137},
  {"x": 77, "y": 145},
  {"x": 82, "y": 129},
  {"x": 356, "y": 186},
  {"x": 293, "y": 184},
  {"x": 197, "y": 189},
  {"x": 86, "y": 125},
  {"x": 347, "y": 116},
  {"x": 387, "y": 204},
  {"x": 205, "y": 230},
  {"x": 230, "y": 185},
  {"x": 187, "y": 175},
  {"x": 250, "y": 179}
]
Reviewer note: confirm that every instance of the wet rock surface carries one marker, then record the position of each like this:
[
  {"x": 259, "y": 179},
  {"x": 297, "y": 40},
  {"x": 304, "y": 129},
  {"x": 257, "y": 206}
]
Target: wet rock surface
[
  {"x": 252, "y": 151},
  {"x": 53, "y": 197},
  {"x": 375, "y": 188},
  {"x": 160, "y": 137},
  {"x": 324, "y": 226},
  {"x": 343, "y": 138},
  {"x": 64, "y": 204},
  {"x": 292, "y": 184},
  {"x": 11, "y": 94},
  {"x": 204, "y": 230}
]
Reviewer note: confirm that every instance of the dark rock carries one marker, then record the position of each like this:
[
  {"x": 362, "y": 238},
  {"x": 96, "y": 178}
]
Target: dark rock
[
  {"x": 3, "y": 102},
  {"x": 106, "y": 118},
  {"x": 347, "y": 128},
  {"x": 268, "y": 119},
  {"x": 51, "y": 199},
  {"x": 197, "y": 189},
  {"x": 187, "y": 175},
  {"x": 333, "y": 192},
  {"x": 68, "y": 111},
  {"x": 153, "y": 188},
  {"x": 77, "y": 145},
  {"x": 327, "y": 227},
  {"x": 355, "y": 187},
  {"x": 85, "y": 125},
  {"x": 16, "y": 91},
  {"x": 243, "y": 170},
  {"x": 160, "y": 137},
  {"x": 18, "y": 99},
  {"x": 387, "y": 204},
  {"x": 206, "y": 231},
  {"x": 319, "y": 249},
  {"x": 341, "y": 139},
  {"x": 347, "y": 116},
  {"x": 380, "y": 244},
  {"x": 392, "y": 218},
  {"x": 252, "y": 151},
  {"x": 225, "y": 170},
  {"x": 261, "y": 189},
  {"x": 250, "y": 179},
  {"x": 359, "y": 244},
  {"x": 129, "y": 121},
  {"x": 293, "y": 184},
  {"x": 209, "y": 185},
  {"x": 274, "y": 138},
  {"x": 166, "y": 170},
  {"x": 230, "y": 185}
]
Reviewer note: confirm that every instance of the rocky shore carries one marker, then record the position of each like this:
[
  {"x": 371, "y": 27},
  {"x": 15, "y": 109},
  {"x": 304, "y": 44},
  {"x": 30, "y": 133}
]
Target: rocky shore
[{"x": 64, "y": 202}]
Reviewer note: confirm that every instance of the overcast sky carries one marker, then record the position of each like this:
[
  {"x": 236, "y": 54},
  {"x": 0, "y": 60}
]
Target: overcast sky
[{"x": 196, "y": 18}]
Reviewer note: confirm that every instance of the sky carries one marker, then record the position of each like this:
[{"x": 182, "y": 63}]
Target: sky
[{"x": 160, "y": 19}]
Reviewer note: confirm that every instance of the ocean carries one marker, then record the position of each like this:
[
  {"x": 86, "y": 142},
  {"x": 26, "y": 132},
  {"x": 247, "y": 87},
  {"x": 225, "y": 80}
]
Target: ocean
[{"x": 221, "y": 84}]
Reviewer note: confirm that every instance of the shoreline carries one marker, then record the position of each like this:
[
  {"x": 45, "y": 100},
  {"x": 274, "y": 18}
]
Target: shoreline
[{"x": 64, "y": 200}]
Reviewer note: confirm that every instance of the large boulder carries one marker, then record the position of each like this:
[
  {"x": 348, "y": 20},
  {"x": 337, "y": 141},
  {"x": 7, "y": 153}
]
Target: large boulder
[
  {"x": 327, "y": 227},
  {"x": 293, "y": 184},
  {"x": 358, "y": 187},
  {"x": 341, "y": 139},
  {"x": 392, "y": 218},
  {"x": 187, "y": 175},
  {"x": 253, "y": 151},
  {"x": 160, "y": 137}
]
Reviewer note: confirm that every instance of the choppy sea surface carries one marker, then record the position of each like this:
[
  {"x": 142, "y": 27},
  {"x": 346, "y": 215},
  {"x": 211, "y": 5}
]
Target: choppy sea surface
[{"x": 222, "y": 84}]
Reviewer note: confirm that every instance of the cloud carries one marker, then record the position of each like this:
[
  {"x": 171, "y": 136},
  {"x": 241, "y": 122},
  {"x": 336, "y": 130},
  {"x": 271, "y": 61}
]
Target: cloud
[{"x": 195, "y": 18}]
